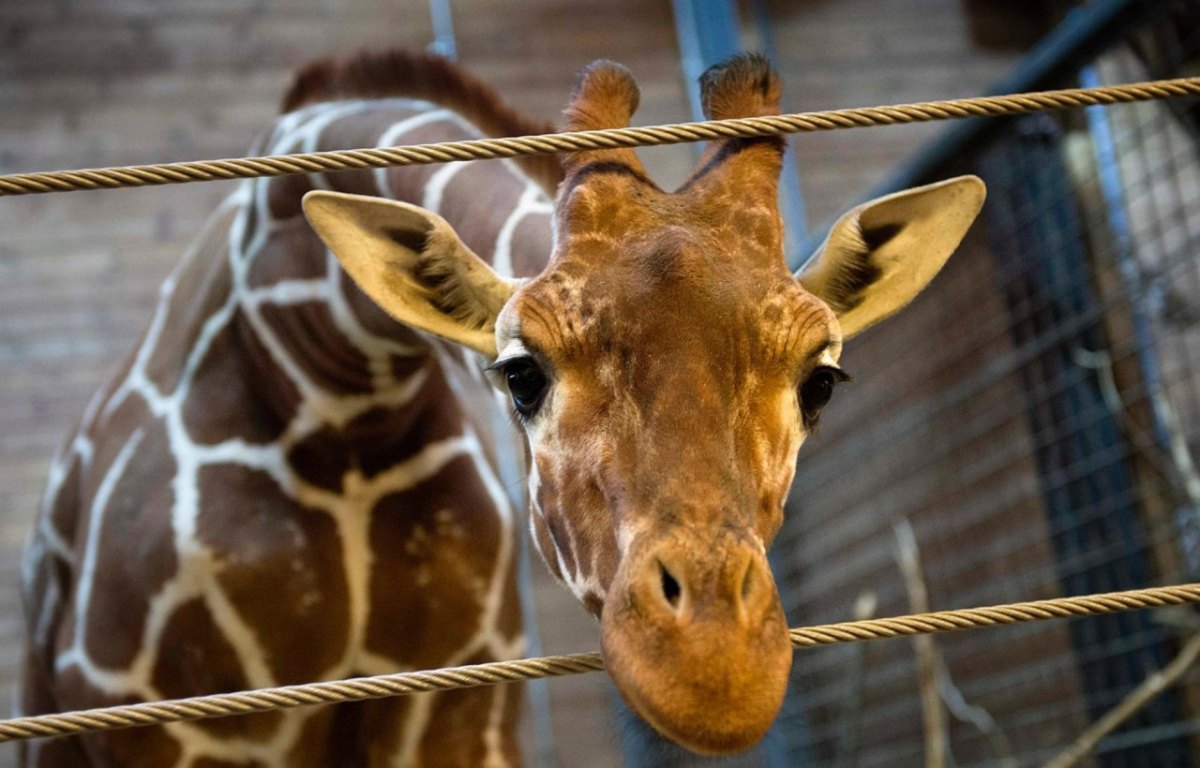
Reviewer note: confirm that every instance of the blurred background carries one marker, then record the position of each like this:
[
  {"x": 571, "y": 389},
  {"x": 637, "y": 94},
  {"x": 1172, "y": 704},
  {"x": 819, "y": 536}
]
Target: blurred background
[{"x": 1025, "y": 430}]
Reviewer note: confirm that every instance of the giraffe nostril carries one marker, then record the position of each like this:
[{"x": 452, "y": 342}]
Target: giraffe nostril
[
  {"x": 670, "y": 587},
  {"x": 748, "y": 582}
]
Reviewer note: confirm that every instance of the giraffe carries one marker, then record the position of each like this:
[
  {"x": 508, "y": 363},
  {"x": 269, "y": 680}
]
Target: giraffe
[
  {"x": 283, "y": 484},
  {"x": 294, "y": 476},
  {"x": 664, "y": 368}
]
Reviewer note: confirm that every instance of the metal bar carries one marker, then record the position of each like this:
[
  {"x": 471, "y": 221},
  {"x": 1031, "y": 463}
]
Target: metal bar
[
  {"x": 1112, "y": 190},
  {"x": 791, "y": 196},
  {"x": 443, "y": 43},
  {"x": 708, "y": 33},
  {"x": 1078, "y": 38}
]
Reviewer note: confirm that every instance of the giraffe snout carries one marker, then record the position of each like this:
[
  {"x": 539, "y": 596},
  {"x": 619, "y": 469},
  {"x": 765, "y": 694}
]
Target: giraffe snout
[
  {"x": 734, "y": 585},
  {"x": 695, "y": 638}
]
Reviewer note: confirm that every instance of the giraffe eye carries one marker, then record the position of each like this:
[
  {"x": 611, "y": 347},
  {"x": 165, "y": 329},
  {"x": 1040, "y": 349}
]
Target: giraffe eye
[
  {"x": 526, "y": 383},
  {"x": 817, "y": 389}
]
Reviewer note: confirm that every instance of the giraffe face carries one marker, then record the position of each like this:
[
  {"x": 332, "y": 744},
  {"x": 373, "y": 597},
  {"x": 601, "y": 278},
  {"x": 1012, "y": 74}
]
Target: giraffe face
[
  {"x": 666, "y": 384},
  {"x": 665, "y": 387},
  {"x": 665, "y": 368}
]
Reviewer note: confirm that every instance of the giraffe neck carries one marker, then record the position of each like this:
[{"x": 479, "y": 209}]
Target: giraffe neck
[
  {"x": 333, "y": 364},
  {"x": 500, "y": 212},
  {"x": 306, "y": 444},
  {"x": 284, "y": 275}
]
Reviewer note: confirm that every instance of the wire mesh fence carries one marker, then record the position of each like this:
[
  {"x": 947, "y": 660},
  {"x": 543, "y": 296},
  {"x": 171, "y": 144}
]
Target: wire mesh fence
[{"x": 1035, "y": 417}]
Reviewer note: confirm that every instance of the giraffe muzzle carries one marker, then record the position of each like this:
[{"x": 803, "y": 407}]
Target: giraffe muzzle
[{"x": 696, "y": 640}]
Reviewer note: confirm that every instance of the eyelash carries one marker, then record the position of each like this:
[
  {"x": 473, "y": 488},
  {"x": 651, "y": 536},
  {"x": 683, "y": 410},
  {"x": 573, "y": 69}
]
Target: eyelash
[
  {"x": 811, "y": 406},
  {"x": 526, "y": 382}
]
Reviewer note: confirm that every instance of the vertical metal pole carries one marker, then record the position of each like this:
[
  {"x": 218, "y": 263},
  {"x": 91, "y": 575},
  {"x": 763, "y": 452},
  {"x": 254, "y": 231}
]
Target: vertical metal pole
[
  {"x": 709, "y": 31},
  {"x": 1113, "y": 191},
  {"x": 1165, "y": 423},
  {"x": 443, "y": 30},
  {"x": 791, "y": 197}
]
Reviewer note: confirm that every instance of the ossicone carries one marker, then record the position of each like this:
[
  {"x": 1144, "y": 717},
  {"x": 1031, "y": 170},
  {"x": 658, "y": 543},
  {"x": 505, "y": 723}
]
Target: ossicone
[
  {"x": 748, "y": 169},
  {"x": 743, "y": 85},
  {"x": 605, "y": 96}
]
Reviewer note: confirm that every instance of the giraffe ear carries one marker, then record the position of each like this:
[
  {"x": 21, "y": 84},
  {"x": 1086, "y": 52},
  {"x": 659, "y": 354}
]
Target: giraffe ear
[
  {"x": 411, "y": 262},
  {"x": 880, "y": 255}
]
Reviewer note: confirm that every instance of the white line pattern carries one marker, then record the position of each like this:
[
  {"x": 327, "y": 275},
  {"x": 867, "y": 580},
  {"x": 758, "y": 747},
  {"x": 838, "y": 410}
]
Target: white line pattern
[{"x": 199, "y": 568}]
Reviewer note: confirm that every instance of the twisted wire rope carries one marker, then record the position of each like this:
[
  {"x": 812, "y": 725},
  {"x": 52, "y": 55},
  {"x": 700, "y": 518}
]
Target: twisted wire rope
[
  {"x": 493, "y": 148},
  {"x": 405, "y": 683}
]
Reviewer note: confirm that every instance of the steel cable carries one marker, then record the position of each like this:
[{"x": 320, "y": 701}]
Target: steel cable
[
  {"x": 489, "y": 149},
  {"x": 404, "y": 683}
]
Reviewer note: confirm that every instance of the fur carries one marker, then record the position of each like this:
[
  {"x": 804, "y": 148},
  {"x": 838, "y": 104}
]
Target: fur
[
  {"x": 450, "y": 291},
  {"x": 744, "y": 85},
  {"x": 741, "y": 86},
  {"x": 374, "y": 75},
  {"x": 605, "y": 96},
  {"x": 852, "y": 272}
]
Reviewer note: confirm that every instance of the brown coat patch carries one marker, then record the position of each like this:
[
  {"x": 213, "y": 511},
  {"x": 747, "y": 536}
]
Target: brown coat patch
[
  {"x": 37, "y": 698},
  {"x": 64, "y": 508},
  {"x": 150, "y": 747},
  {"x": 200, "y": 662},
  {"x": 201, "y": 287},
  {"x": 293, "y": 252},
  {"x": 237, "y": 391},
  {"x": 435, "y": 547},
  {"x": 379, "y": 438},
  {"x": 316, "y": 344},
  {"x": 208, "y": 762},
  {"x": 134, "y": 556},
  {"x": 266, "y": 544},
  {"x": 455, "y": 737},
  {"x": 373, "y": 319},
  {"x": 484, "y": 197},
  {"x": 284, "y": 194},
  {"x": 355, "y": 734}
]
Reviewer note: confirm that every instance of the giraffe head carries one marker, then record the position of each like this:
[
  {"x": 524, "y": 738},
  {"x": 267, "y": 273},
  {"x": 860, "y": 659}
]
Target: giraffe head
[{"x": 665, "y": 368}]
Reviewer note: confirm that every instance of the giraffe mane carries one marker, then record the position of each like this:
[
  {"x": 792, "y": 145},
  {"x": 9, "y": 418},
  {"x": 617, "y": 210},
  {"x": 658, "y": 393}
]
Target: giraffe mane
[{"x": 425, "y": 76}]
